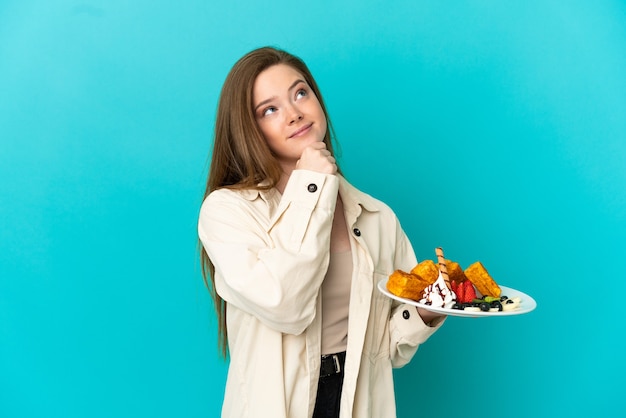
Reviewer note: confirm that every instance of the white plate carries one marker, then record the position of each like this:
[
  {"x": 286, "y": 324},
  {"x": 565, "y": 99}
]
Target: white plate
[{"x": 527, "y": 303}]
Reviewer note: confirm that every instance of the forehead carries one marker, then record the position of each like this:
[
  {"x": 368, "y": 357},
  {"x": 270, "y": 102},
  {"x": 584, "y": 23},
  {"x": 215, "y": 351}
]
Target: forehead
[{"x": 275, "y": 80}]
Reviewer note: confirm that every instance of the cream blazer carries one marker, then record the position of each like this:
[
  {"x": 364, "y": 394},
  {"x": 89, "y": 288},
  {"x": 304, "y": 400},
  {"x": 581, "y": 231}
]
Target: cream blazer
[{"x": 271, "y": 252}]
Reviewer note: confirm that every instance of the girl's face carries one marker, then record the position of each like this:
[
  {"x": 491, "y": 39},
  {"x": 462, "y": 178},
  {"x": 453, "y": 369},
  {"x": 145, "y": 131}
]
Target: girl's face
[{"x": 288, "y": 112}]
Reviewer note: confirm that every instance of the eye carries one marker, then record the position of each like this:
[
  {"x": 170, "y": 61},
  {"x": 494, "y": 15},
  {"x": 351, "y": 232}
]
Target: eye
[
  {"x": 269, "y": 110},
  {"x": 301, "y": 93}
]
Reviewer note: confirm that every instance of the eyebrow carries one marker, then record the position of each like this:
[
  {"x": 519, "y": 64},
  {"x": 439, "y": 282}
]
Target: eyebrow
[{"x": 294, "y": 84}]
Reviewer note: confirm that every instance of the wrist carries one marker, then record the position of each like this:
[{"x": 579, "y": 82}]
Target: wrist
[{"x": 427, "y": 316}]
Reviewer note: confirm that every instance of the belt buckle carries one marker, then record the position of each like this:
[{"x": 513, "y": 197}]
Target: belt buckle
[{"x": 337, "y": 363}]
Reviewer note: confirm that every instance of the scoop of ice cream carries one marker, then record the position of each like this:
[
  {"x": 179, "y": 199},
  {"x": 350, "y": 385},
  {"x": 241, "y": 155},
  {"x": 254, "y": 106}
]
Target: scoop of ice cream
[{"x": 438, "y": 294}]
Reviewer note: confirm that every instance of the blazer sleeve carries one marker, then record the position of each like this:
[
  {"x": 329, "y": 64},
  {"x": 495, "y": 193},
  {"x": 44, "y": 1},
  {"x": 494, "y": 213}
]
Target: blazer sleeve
[
  {"x": 272, "y": 267},
  {"x": 406, "y": 328}
]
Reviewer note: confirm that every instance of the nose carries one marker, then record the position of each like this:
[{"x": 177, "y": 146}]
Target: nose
[{"x": 294, "y": 114}]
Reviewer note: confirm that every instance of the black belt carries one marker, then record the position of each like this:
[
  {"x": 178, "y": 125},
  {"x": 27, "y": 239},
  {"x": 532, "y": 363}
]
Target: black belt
[{"x": 332, "y": 364}]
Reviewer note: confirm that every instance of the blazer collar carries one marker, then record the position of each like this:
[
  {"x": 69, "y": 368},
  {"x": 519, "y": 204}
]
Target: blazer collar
[{"x": 354, "y": 200}]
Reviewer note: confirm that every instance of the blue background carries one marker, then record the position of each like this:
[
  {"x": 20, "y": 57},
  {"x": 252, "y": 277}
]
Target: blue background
[{"x": 496, "y": 129}]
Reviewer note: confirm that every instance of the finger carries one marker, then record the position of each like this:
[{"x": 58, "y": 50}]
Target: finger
[{"x": 318, "y": 145}]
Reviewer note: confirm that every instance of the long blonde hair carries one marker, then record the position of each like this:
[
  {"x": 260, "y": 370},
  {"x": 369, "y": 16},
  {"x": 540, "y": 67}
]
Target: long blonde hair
[{"x": 241, "y": 157}]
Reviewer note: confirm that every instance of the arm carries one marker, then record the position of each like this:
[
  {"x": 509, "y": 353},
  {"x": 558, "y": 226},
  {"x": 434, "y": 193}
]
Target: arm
[
  {"x": 409, "y": 326},
  {"x": 272, "y": 268},
  {"x": 430, "y": 318}
]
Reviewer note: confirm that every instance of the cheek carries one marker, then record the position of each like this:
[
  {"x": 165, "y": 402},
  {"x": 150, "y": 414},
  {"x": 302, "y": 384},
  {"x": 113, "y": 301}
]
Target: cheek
[
  {"x": 322, "y": 118},
  {"x": 273, "y": 139},
  {"x": 269, "y": 130},
  {"x": 323, "y": 125}
]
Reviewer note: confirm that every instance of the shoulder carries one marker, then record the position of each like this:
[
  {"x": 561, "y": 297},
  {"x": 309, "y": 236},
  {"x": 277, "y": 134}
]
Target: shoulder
[
  {"x": 226, "y": 199},
  {"x": 225, "y": 195}
]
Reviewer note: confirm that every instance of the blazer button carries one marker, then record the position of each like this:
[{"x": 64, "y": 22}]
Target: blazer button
[
  {"x": 357, "y": 232},
  {"x": 406, "y": 314},
  {"x": 312, "y": 188}
]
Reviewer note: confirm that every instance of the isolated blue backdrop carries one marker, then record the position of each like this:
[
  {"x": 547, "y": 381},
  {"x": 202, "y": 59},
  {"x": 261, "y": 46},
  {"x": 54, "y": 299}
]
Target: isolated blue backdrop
[{"x": 494, "y": 129}]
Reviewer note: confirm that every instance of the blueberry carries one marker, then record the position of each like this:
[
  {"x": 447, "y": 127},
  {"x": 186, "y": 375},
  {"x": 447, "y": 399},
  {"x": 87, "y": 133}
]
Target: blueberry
[
  {"x": 496, "y": 304},
  {"x": 484, "y": 306}
]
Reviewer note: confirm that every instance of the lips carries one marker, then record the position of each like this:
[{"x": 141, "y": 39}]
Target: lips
[{"x": 301, "y": 131}]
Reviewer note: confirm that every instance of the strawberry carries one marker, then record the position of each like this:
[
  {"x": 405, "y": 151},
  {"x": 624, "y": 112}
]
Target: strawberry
[
  {"x": 457, "y": 288},
  {"x": 469, "y": 293}
]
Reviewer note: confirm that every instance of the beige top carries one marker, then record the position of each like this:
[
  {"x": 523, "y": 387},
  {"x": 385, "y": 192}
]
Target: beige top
[{"x": 336, "y": 303}]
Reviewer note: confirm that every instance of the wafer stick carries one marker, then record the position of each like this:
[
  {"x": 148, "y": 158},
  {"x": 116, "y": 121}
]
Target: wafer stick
[{"x": 442, "y": 266}]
